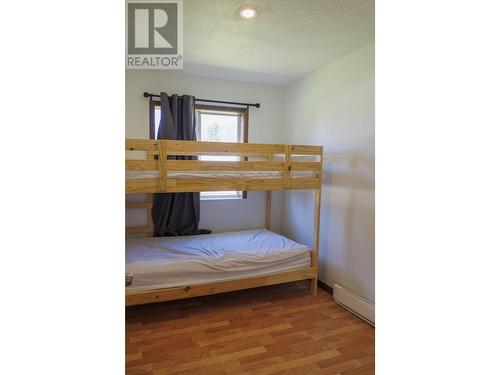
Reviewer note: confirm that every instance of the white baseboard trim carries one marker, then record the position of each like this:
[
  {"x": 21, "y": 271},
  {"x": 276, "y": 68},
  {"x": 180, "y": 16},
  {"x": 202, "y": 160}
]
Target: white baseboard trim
[{"x": 354, "y": 303}]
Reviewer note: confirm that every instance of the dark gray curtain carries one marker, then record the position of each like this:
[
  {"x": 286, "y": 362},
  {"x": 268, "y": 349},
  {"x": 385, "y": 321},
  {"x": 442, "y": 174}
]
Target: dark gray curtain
[{"x": 177, "y": 214}]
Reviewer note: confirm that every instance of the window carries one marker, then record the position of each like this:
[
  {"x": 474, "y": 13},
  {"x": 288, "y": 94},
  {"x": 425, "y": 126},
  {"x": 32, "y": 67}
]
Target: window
[{"x": 213, "y": 124}]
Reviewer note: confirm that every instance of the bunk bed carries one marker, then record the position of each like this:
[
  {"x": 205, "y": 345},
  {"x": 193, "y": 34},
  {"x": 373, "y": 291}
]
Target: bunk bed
[{"x": 170, "y": 268}]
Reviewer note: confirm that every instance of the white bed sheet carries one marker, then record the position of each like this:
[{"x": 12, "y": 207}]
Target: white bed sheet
[
  {"x": 134, "y": 175},
  {"x": 163, "y": 262}
]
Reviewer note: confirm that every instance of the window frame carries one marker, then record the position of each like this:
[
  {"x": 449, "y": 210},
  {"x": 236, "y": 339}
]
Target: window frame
[{"x": 242, "y": 111}]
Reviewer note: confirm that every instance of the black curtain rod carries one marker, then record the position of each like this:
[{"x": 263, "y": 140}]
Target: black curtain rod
[{"x": 256, "y": 105}]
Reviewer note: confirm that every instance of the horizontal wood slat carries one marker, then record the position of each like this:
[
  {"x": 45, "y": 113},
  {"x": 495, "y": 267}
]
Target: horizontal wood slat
[
  {"x": 306, "y": 150},
  {"x": 142, "y": 165},
  {"x": 221, "y": 148},
  {"x": 201, "y": 147},
  {"x": 178, "y": 185},
  {"x": 140, "y": 144},
  {"x": 204, "y": 165},
  {"x": 216, "y": 184},
  {"x": 169, "y": 294}
]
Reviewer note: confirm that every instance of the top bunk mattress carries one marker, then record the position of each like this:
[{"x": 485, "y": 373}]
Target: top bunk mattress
[{"x": 164, "y": 262}]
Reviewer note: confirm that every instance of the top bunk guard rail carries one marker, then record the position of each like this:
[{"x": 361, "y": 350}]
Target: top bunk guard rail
[{"x": 275, "y": 166}]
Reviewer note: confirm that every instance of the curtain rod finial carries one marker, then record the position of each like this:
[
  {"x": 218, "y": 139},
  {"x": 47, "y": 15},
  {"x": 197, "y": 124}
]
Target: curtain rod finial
[
  {"x": 257, "y": 105},
  {"x": 146, "y": 94}
]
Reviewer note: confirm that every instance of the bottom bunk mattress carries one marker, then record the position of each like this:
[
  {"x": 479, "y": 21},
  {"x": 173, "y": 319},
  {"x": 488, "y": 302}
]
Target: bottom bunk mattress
[{"x": 164, "y": 262}]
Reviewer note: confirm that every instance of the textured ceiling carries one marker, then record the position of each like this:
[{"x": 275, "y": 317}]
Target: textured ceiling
[{"x": 288, "y": 38}]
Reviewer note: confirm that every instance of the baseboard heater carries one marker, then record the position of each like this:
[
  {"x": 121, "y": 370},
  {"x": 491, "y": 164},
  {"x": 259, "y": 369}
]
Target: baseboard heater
[{"x": 354, "y": 303}]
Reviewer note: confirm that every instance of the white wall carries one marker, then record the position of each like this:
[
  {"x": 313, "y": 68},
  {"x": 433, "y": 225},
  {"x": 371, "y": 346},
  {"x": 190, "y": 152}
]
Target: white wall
[
  {"x": 265, "y": 125},
  {"x": 334, "y": 107}
]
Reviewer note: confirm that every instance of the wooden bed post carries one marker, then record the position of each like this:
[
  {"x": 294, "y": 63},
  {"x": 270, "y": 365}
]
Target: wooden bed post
[
  {"x": 314, "y": 260},
  {"x": 149, "y": 197},
  {"x": 269, "y": 196},
  {"x": 317, "y": 213}
]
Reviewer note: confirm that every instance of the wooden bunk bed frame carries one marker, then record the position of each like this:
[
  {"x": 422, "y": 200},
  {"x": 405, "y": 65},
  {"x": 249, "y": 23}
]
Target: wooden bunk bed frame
[{"x": 267, "y": 157}]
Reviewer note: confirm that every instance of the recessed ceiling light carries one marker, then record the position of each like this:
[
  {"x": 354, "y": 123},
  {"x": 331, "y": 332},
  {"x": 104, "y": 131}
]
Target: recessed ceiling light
[{"x": 248, "y": 13}]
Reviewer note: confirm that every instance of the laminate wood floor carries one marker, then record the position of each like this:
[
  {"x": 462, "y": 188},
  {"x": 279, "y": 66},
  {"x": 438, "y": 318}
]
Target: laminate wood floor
[{"x": 280, "y": 329}]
